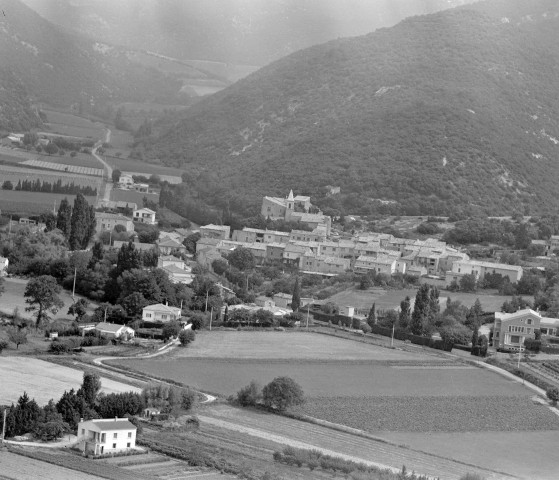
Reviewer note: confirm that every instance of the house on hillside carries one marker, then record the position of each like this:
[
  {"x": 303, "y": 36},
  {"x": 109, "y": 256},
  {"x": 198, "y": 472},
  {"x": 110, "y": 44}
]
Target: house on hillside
[
  {"x": 179, "y": 275},
  {"x": 108, "y": 221},
  {"x": 125, "y": 181},
  {"x": 102, "y": 436},
  {"x": 113, "y": 330},
  {"x": 167, "y": 246},
  {"x": 144, "y": 215},
  {"x": 167, "y": 260},
  {"x": 160, "y": 313},
  {"x": 221, "y": 232},
  {"x": 479, "y": 269}
]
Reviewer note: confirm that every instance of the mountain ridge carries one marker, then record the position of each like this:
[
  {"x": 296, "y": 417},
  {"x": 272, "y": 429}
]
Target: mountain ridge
[{"x": 445, "y": 112}]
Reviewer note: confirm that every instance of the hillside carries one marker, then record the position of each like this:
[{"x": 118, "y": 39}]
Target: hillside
[
  {"x": 61, "y": 68},
  {"x": 454, "y": 111},
  {"x": 15, "y": 109},
  {"x": 253, "y": 32}
]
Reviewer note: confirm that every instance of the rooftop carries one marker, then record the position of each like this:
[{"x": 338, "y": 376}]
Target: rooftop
[{"x": 109, "y": 424}]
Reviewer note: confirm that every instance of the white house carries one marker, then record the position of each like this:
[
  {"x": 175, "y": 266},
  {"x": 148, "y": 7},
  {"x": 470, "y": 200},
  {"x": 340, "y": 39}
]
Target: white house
[
  {"x": 179, "y": 275},
  {"x": 160, "y": 313},
  {"x": 104, "y": 436},
  {"x": 113, "y": 330},
  {"x": 166, "y": 260},
  {"x": 480, "y": 269},
  {"x": 144, "y": 215},
  {"x": 125, "y": 181},
  {"x": 108, "y": 221}
]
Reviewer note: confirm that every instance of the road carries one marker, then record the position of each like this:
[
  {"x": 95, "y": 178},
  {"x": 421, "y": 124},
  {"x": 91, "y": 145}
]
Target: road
[{"x": 106, "y": 167}]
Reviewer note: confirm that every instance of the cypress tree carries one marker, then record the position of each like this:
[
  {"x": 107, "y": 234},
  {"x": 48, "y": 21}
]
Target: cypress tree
[
  {"x": 296, "y": 301},
  {"x": 372, "y": 317},
  {"x": 420, "y": 310},
  {"x": 405, "y": 316},
  {"x": 475, "y": 340},
  {"x": 81, "y": 229},
  {"x": 63, "y": 218}
]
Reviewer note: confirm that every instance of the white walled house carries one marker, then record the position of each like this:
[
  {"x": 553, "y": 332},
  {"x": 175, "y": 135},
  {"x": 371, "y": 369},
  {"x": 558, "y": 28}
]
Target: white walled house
[
  {"x": 113, "y": 330},
  {"x": 160, "y": 313},
  {"x": 480, "y": 269},
  {"x": 102, "y": 436},
  {"x": 144, "y": 215}
]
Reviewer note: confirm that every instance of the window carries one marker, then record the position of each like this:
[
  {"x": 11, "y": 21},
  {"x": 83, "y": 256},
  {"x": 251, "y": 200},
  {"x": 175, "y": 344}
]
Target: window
[
  {"x": 103, "y": 438},
  {"x": 114, "y": 445},
  {"x": 128, "y": 445},
  {"x": 148, "y": 315},
  {"x": 515, "y": 339},
  {"x": 529, "y": 321},
  {"x": 115, "y": 435},
  {"x": 129, "y": 434},
  {"x": 528, "y": 330},
  {"x": 163, "y": 317},
  {"x": 83, "y": 431}
]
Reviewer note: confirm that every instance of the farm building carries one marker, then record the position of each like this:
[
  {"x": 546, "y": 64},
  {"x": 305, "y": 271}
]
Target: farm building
[
  {"x": 103, "y": 436},
  {"x": 112, "y": 330}
]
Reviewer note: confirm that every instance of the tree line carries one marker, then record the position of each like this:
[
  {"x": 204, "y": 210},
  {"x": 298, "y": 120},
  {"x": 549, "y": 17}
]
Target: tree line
[{"x": 47, "y": 187}]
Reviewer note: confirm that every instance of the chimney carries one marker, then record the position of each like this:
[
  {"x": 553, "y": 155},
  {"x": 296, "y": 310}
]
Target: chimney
[{"x": 81, "y": 420}]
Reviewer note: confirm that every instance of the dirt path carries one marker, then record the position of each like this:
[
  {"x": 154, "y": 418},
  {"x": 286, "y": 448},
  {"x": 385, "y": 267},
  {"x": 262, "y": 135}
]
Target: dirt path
[{"x": 299, "y": 434}]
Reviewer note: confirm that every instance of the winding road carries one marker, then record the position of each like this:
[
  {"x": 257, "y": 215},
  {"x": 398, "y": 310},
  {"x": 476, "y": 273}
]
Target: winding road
[{"x": 106, "y": 167}]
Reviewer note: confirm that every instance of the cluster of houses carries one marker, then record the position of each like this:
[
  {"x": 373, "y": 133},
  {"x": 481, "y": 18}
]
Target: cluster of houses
[
  {"x": 105, "y": 221},
  {"x": 317, "y": 252}
]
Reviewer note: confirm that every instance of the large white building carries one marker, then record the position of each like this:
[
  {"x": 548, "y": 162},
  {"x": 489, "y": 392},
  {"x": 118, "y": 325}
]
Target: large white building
[{"x": 102, "y": 436}]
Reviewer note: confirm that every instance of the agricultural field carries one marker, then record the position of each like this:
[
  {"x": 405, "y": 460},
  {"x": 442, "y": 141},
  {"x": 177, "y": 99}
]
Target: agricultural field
[
  {"x": 390, "y": 299},
  {"x": 44, "y": 380},
  {"x": 34, "y": 202},
  {"x": 72, "y": 125},
  {"x": 80, "y": 160},
  {"x": 65, "y": 167},
  {"x": 16, "y": 467},
  {"x": 142, "y": 168},
  {"x": 21, "y": 172}
]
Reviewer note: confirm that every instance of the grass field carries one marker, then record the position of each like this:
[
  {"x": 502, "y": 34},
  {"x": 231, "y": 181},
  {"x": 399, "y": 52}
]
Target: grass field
[
  {"x": 72, "y": 125},
  {"x": 131, "y": 165},
  {"x": 390, "y": 299},
  {"x": 44, "y": 380},
  {"x": 132, "y": 196},
  {"x": 16, "y": 467},
  {"x": 13, "y": 297},
  {"x": 34, "y": 202},
  {"x": 80, "y": 160}
]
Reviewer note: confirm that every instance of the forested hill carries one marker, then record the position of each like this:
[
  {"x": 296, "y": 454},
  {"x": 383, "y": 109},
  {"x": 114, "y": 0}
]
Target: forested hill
[
  {"x": 61, "y": 68},
  {"x": 15, "y": 108},
  {"x": 444, "y": 112}
]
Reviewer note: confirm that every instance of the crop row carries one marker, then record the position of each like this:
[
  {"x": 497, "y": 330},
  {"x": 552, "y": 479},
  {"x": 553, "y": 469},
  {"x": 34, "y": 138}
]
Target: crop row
[{"x": 433, "y": 414}]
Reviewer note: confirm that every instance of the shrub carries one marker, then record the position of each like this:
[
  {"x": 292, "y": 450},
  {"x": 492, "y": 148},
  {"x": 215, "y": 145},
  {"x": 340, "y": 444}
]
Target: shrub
[
  {"x": 250, "y": 395},
  {"x": 186, "y": 337},
  {"x": 365, "y": 328},
  {"x": 3, "y": 345}
]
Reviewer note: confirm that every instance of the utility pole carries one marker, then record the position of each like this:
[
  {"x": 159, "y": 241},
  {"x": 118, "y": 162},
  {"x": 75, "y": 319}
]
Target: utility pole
[
  {"x": 74, "y": 287},
  {"x": 392, "y": 339},
  {"x": 308, "y": 306},
  {"x": 207, "y": 293},
  {"x": 211, "y": 316},
  {"x": 4, "y": 425}
]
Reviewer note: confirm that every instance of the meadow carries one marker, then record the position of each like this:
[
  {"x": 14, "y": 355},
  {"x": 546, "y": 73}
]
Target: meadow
[
  {"x": 390, "y": 299},
  {"x": 132, "y": 165},
  {"x": 132, "y": 196},
  {"x": 62, "y": 123},
  {"x": 44, "y": 380}
]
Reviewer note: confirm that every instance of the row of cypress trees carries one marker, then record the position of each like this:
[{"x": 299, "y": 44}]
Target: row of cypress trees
[{"x": 77, "y": 223}]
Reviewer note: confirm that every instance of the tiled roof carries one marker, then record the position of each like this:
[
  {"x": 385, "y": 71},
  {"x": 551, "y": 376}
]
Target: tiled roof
[
  {"x": 107, "y": 425},
  {"x": 112, "y": 216},
  {"x": 108, "y": 327},
  {"x": 159, "y": 307}
]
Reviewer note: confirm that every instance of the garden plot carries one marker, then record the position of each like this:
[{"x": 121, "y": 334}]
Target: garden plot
[{"x": 43, "y": 380}]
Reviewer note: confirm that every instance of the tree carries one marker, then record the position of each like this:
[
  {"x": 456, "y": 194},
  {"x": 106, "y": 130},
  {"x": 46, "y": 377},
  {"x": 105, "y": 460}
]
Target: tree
[
  {"x": 26, "y": 415},
  {"x": 120, "y": 404},
  {"x": 553, "y": 394},
  {"x": 51, "y": 148},
  {"x": 372, "y": 317},
  {"x": 468, "y": 283},
  {"x": 186, "y": 337},
  {"x": 282, "y": 393},
  {"x": 190, "y": 242},
  {"x": 134, "y": 304},
  {"x": 82, "y": 223},
  {"x": 242, "y": 259},
  {"x": 420, "y": 310},
  {"x": 250, "y": 395},
  {"x": 41, "y": 294},
  {"x": 91, "y": 386},
  {"x": 7, "y": 185},
  {"x": 296, "y": 300},
  {"x": 220, "y": 266},
  {"x": 405, "y": 313},
  {"x": 475, "y": 339},
  {"x": 116, "y": 175},
  {"x": 198, "y": 320},
  {"x": 3, "y": 345},
  {"x": 17, "y": 336},
  {"x": 64, "y": 217},
  {"x": 79, "y": 309},
  {"x": 170, "y": 330}
]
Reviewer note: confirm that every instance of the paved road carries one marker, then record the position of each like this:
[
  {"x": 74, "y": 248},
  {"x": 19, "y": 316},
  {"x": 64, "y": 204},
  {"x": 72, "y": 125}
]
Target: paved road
[{"x": 106, "y": 167}]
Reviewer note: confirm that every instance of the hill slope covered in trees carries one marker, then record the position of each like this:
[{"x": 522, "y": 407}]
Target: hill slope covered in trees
[
  {"x": 252, "y": 32},
  {"x": 454, "y": 111},
  {"x": 61, "y": 68}
]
